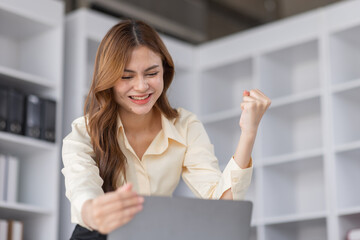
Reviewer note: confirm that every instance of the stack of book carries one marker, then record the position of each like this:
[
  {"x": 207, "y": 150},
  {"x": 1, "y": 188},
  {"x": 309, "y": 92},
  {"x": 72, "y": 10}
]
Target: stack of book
[
  {"x": 27, "y": 114},
  {"x": 11, "y": 230},
  {"x": 9, "y": 172}
]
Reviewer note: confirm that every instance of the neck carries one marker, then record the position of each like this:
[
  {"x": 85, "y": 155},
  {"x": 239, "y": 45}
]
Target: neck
[{"x": 134, "y": 123}]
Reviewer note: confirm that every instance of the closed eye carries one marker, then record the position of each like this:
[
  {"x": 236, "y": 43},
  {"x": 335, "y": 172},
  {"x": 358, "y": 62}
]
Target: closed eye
[{"x": 152, "y": 74}]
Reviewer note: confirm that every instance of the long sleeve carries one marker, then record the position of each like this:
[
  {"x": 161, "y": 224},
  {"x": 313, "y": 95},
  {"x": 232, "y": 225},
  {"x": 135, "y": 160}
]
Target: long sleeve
[
  {"x": 82, "y": 179},
  {"x": 201, "y": 170}
]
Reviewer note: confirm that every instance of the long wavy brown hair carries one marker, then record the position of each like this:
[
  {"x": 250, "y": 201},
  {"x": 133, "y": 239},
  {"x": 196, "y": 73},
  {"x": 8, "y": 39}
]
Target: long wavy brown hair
[{"x": 101, "y": 110}]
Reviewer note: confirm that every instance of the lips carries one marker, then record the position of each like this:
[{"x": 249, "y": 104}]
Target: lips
[
  {"x": 140, "y": 99},
  {"x": 143, "y": 97}
]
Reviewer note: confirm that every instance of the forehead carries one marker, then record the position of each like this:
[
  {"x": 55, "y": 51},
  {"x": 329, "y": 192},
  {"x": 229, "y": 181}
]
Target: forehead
[{"x": 142, "y": 57}]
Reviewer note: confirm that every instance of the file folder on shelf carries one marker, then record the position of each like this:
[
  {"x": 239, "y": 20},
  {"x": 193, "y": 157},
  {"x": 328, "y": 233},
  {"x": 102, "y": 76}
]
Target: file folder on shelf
[
  {"x": 15, "y": 112},
  {"x": 32, "y": 116},
  {"x": 3, "y": 108},
  {"x": 48, "y": 114}
]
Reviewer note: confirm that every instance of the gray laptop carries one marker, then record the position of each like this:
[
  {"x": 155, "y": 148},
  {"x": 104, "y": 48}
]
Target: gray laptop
[{"x": 166, "y": 218}]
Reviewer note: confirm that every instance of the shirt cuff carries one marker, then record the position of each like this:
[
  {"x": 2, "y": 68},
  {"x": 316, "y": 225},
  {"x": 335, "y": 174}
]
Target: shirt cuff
[
  {"x": 237, "y": 179},
  {"x": 76, "y": 207}
]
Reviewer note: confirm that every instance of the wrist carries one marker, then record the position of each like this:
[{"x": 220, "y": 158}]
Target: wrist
[
  {"x": 86, "y": 214},
  {"x": 250, "y": 135}
]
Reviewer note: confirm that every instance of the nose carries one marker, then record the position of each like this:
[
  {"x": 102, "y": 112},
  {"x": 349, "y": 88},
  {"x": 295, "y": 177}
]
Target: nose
[{"x": 141, "y": 84}]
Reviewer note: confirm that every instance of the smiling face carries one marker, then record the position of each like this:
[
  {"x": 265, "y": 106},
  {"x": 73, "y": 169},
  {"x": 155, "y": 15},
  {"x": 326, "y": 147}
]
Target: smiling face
[{"x": 141, "y": 83}]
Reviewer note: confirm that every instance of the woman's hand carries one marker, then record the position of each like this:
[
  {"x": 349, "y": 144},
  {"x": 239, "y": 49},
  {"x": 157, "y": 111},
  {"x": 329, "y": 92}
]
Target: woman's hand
[
  {"x": 112, "y": 210},
  {"x": 254, "y": 105}
]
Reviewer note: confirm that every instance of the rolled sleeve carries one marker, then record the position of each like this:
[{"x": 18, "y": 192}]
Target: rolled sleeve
[
  {"x": 236, "y": 178},
  {"x": 82, "y": 178}
]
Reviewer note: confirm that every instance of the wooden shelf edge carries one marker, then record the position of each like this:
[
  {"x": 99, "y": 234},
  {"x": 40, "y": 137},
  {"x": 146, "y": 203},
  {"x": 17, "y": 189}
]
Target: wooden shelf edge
[
  {"x": 286, "y": 158},
  {"x": 344, "y": 86},
  {"x": 220, "y": 116},
  {"x": 349, "y": 211},
  {"x": 295, "y": 98},
  {"x": 294, "y": 218},
  {"x": 21, "y": 210},
  {"x": 26, "y": 141},
  {"x": 347, "y": 147},
  {"x": 10, "y": 74}
]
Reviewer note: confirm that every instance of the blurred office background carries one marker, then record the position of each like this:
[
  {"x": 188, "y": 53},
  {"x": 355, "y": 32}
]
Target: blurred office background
[
  {"x": 304, "y": 54},
  {"x": 199, "y": 21}
]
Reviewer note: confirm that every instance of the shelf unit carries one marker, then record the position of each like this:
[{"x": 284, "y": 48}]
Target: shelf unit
[
  {"x": 305, "y": 153},
  {"x": 31, "y": 60}
]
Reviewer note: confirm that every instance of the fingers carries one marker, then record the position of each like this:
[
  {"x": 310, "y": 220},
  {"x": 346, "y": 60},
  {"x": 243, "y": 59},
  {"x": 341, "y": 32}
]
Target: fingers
[
  {"x": 123, "y": 204},
  {"x": 122, "y": 192},
  {"x": 254, "y": 95},
  {"x": 116, "y": 208},
  {"x": 116, "y": 220}
]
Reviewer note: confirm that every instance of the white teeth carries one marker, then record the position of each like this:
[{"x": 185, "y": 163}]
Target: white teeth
[{"x": 140, "y": 98}]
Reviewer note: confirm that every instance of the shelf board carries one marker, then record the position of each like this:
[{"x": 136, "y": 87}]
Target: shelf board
[
  {"x": 349, "y": 211},
  {"x": 298, "y": 97},
  {"x": 347, "y": 147},
  {"x": 254, "y": 223},
  {"x": 21, "y": 211},
  {"x": 341, "y": 87},
  {"x": 12, "y": 143},
  {"x": 221, "y": 116},
  {"x": 294, "y": 218},
  {"x": 29, "y": 82},
  {"x": 317, "y": 152}
]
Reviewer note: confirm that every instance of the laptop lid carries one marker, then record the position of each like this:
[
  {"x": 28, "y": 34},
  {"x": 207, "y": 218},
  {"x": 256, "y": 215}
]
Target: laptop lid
[{"x": 166, "y": 218}]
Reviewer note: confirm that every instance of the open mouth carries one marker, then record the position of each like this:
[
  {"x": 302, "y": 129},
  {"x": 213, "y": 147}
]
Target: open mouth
[{"x": 144, "y": 97}]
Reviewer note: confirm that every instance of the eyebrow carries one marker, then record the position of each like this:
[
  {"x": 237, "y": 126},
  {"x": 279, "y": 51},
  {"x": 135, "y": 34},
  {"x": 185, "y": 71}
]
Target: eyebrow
[{"x": 148, "y": 69}]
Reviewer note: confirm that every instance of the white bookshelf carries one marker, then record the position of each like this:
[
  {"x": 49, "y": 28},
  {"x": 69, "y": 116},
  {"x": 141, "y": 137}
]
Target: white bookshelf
[
  {"x": 305, "y": 153},
  {"x": 305, "y": 156},
  {"x": 294, "y": 181},
  {"x": 302, "y": 230},
  {"x": 221, "y": 86},
  {"x": 347, "y": 168},
  {"x": 290, "y": 71},
  {"x": 31, "y": 60}
]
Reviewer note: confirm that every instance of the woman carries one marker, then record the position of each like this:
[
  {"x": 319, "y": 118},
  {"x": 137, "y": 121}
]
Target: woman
[{"x": 132, "y": 143}]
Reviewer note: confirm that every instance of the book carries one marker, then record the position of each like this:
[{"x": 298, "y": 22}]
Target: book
[
  {"x": 12, "y": 179},
  {"x": 15, "y": 230},
  {"x": 354, "y": 234},
  {"x": 3, "y": 108},
  {"x": 48, "y": 116},
  {"x": 4, "y": 226},
  {"x": 15, "y": 111},
  {"x": 32, "y": 116},
  {"x": 3, "y": 177}
]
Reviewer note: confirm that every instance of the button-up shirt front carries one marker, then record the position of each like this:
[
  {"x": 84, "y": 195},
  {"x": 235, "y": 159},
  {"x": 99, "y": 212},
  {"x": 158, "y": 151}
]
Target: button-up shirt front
[{"x": 181, "y": 148}]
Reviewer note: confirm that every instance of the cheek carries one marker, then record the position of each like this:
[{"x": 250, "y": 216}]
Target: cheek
[{"x": 159, "y": 84}]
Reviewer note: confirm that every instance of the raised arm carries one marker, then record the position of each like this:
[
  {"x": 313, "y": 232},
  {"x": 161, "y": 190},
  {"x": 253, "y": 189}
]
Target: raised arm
[{"x": 254, "y": 105}]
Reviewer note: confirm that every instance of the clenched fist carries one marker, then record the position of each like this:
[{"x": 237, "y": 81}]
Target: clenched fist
[{"x": 254, "y": 105}]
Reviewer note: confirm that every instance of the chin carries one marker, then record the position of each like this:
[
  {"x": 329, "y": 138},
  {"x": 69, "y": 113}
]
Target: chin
[{"x": 142, "y": 110}]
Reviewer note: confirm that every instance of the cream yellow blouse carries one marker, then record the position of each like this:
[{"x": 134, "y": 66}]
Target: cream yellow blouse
[{"x": 181, "y": 148}]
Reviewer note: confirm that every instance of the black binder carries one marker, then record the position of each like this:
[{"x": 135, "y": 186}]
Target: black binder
[
  {"x": 32, "y": 116},
  {"x": 15, "y": 111},
  {"x": 3, "y": 108},
  {"x": 48, "y": 115}
]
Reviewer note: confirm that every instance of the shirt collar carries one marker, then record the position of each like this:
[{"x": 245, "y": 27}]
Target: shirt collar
[
  {"x": 168, "y": 127},
  {"x": 170, "y": 130}
]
